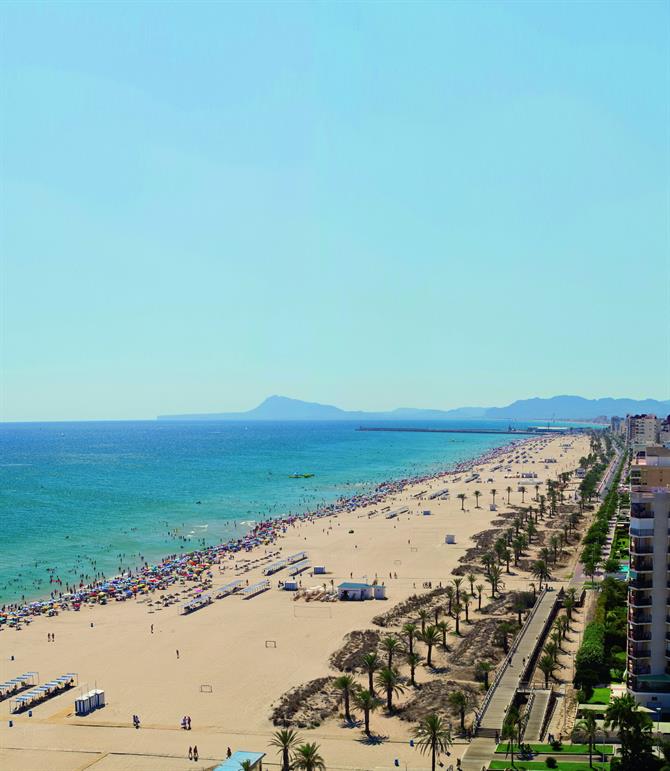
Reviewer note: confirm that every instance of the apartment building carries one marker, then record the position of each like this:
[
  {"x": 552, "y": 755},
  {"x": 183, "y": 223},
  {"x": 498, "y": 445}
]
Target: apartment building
[
  {"x": 648, "y": 644},
  {"x": 642, "y": 430}
]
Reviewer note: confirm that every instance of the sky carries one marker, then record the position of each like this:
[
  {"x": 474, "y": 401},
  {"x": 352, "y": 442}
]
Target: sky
[{"x": 366, "y": 204}]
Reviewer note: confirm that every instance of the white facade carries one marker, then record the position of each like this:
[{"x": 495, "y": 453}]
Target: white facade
[{"x": 648, "y": 659}]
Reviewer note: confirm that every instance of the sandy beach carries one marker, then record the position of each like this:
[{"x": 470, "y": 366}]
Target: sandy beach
[{"x": 238, "y": 657}]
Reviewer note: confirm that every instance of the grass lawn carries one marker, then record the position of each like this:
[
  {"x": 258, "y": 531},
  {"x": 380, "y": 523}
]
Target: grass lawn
[
  {"x": 567, "y": 749},
  {"x": 600, "y": 696},
  {"x": 540, "y": 765}
]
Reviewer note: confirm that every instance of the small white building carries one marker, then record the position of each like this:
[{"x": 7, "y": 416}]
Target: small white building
[{"x": 353, "y": 590}]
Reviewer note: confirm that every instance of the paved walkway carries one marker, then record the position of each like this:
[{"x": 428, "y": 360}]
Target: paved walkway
[
  {"x": 481, "y": 749},
  {"x": 538, "y": 710}
]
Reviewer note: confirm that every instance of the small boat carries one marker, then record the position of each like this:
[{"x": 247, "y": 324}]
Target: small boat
[{"x": 300, "y": 476}]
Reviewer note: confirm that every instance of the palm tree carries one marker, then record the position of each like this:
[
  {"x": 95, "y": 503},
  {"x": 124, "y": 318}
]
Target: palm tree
[
  {"x": 537, "y": 492},
  {"x": 502, "y": 633},
  {"x": 346, "y": 684},
  {"x": 522, "y": 490},
  {"x": 494, "y": 578},
  {"x": 589, "y": 726},
  {"x": 519, "y": 606},
  {"x": 480, "y": 589},
  {"x": 540, "y": 571},
  {"x": 508, "y": 490},
  {"x": 424, "y": 615},
  {"x": 432, "y": 735},
  {"x": 518, "y": 545},
  {"x": 493, "y": 493},
  {"x": 461, "y": 701},
  {"x": 511, "y": 730},
  {"x": 471, "y": 580},
  {"x": 547, "y": 666},
  {"x": 531, "y": 530},
  {"x": 457, "y": 587},
  {"x": 466, "y": 606},
  {"x": 286, "y": 741},
  {"x": 458, "y": 609},
  {"x": 551, "y": 649},
  {"x": 413, "y": 659},
  {"x": 389, "y": 680},
  {"x": 477, "y": 495},
  {"x": 246, "y": 765},
  {"x": 483, "y": 668},
  {"x": 430, "y": 637},
  {"x": 391, "y": 645},
  {"x": 410, "y": 630},
  {"x": 553, "y": 542},
  {"x": 462, "y": 498},
  {"x": 436, "y": 614},
  {"x": 449, "y": 591},
  {"x": 367, "y": 702},
  {"x": 371, "y": 663},
  {"x": 307, "y": 758},
  {"x": 444, "y": 627}
]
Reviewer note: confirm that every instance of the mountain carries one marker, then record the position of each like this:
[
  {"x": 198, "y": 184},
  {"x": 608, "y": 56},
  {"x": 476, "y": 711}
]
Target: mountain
[
  {"x": 575, "y": 408},
  {"x": 557, "y": 408}
]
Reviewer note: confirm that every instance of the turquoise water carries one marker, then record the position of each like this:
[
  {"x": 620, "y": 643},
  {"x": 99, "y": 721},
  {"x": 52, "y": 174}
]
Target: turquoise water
[{"x": 83, "y": 498}]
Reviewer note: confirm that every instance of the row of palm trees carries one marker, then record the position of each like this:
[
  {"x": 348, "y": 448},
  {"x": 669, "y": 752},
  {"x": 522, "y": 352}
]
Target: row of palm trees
[
  {"x": 432, "y": 736},
  {"x": 462, "y": 497}
]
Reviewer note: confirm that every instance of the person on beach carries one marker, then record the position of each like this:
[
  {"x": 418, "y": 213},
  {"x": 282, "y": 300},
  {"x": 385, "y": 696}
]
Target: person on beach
[
  {"x": 188, "y": 721},
  {"x": 177, "y": 653},
  {"x": 195, "y": 753},
  {"x": 190, "y": 753}
]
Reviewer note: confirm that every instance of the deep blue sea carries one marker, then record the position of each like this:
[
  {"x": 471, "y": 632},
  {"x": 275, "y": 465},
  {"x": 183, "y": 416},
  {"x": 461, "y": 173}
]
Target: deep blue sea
[{"x": 76, "y": 498}]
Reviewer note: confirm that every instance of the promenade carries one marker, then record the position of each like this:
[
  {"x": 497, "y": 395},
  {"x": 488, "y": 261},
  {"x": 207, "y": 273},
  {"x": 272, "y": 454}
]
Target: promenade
[{"x": 503, "y": 689}]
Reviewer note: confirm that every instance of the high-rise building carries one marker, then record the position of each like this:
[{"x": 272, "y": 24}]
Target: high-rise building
[
  {"x": 648, "y": 645},
  {"x": 618, "y": 424},
  {"x": 642, "y": 430},
  {"x": 664, "y": 432}
]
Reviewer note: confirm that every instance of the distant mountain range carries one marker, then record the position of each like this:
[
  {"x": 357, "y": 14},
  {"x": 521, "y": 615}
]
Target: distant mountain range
[{"x": 557, "y": 408}]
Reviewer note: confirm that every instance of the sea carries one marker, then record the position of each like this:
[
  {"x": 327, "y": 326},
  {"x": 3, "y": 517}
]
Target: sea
[{"x": 82, "y": 499}]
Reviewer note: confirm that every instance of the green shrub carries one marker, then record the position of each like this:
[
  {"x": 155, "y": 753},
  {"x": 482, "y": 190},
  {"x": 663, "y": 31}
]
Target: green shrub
[{"x": 551, "y": 762}]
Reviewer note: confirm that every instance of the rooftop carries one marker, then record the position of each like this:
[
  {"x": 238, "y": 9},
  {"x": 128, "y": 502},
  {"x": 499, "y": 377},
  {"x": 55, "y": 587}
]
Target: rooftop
[{"x": 234, "y": 762}]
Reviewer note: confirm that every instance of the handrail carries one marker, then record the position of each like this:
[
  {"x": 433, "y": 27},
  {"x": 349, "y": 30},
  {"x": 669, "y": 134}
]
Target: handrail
[{"x": 505, "y": 663}]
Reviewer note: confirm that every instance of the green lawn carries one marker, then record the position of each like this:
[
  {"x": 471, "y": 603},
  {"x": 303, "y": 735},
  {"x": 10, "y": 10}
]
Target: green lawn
[
  {"x": 600, "y": 696},
  {"x": 540, "y": 765},
  {"x": 567, "y": 749}
]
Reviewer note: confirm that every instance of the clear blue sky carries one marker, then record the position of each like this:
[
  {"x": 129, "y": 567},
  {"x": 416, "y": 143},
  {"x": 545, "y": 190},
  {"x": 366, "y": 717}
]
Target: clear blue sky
[{"x": 372, "y": 205}]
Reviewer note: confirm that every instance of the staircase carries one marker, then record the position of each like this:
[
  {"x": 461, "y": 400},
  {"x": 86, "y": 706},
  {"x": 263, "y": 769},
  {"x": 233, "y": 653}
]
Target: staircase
[{"x": 536, "y": 717}]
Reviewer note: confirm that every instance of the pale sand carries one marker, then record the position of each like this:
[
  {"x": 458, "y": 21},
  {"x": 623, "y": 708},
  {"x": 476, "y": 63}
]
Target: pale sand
[{"x": 223, "y": 645}]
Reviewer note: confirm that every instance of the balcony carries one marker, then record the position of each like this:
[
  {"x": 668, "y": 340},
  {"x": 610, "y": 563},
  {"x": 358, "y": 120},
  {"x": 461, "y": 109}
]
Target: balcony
[
  {"x": 639, "y": 582},
  {"x": 639, "y": 599},
  {"x": 642, "y": 564},
  {"x": 637, "y": 546},
  {"x": 639, "y": 618},
  {"x": 639, "y": 651},
  {"x": 636, "y": 668},
  {"x": 635, "y": 633},
  {"x": 640, "y": 511},
  {"x": 650, "y": 683},
  {"x": 642, "y": 532}
]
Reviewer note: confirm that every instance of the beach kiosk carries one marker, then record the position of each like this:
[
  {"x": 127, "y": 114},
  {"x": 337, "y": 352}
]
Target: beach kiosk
[
  {"x": 450, "y": 538},
  {"x": 235, "y": 761},
  {"x": 351, "y": 590}
]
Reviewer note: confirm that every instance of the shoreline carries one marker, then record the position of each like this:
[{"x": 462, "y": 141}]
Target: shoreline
[
  {"x": 255, "y": 657},
  {"x": 264, "y": 532}
]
